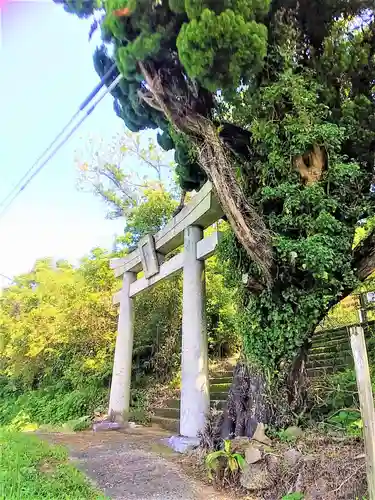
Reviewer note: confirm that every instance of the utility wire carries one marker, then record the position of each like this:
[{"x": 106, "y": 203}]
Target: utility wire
[
  {"x": 56, "y": 149},
  {"x": 81, "y": 108},
  {"x": 6, "y": 277}
]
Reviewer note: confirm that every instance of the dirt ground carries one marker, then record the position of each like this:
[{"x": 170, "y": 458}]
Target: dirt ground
[{"x": 134, "y": 465}]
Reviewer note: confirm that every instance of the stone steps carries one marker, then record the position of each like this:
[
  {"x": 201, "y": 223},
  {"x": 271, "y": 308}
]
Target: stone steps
[
  {"x": 218, "y": 396},
  {"x": 333, "y": 348},
  {"x": 330, "y": 352},
  {"x": 221, "y": 387},
  {"x": 168, "y": 416},
  {"x": 169, "y": 424},
  {"x": 325, "y": 370},
  {"x": 330, "y": 333},
  {"x": 328, "y": 355},
  {"x": 221, "y": 380},
  {"x": 174, "y": 411},
  {"x": 332, "y": 361},
  {"x": 176, "y": 403},
  {"x": 330, "y": 342}
]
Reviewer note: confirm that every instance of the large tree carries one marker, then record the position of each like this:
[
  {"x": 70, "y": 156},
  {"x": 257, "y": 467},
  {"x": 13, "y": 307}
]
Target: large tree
[{"x": 274, "y": 102}]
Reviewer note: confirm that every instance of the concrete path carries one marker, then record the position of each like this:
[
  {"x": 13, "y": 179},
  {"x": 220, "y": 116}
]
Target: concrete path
[{"x": 134, "y": 465}]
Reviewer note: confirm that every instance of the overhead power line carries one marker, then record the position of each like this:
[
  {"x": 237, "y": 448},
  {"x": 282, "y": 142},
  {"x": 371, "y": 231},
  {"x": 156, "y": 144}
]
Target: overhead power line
[
  {"x": 80, "y": 109},
  {"x": 56, "y": 149},
  {"x": 6, "y": 277}
]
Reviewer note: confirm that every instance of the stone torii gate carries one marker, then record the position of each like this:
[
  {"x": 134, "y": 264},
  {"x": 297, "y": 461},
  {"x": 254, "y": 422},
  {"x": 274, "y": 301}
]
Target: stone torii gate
[{"x": 187, "y": 229}]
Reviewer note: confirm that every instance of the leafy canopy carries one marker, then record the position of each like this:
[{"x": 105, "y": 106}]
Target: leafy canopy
[
  {"x": 58, "y": 325},
  {"x": 290, "y": 87}
]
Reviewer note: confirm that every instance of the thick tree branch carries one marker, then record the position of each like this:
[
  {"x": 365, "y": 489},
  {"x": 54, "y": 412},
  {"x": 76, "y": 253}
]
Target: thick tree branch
[
  {"x": 364, "y": 257},
  {"x": 181, "y": 204},
  {"x": 217, "y": 162}
]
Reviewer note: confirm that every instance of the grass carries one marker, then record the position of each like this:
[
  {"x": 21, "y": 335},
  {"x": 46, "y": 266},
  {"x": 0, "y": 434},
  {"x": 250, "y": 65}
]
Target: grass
[{"x": 32, "y": 469}]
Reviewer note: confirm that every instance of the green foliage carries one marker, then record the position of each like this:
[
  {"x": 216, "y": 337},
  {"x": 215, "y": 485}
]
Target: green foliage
[
  {"x": 50, "y": 406},
  {"x": 31, "y": 468},
  {"x": 79, "y": 424},
  {"x": 140, "y": 401},
  {"x": 294, "y": 496},
  {"x": 156, "y": 207},
  {"x": 188, "y": 171},
  {"x": 231, "y": 463},
  {"x": 338, "y": 391},
  {"x": 221, "y": 309},
  {"x": 284, "y": 436},
  {"x": 313, "y": 224},
  {"x": 348, "y": 421},
  {"x": 157, "y": 339},
  {"x": 205, "y": 46},
  {"x": 58, "y": 329}
]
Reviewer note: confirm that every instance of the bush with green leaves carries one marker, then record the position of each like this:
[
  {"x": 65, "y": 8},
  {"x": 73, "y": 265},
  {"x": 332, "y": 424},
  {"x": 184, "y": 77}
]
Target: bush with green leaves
[
  {"x": 58, "y": 330},
  {"x": 224, "y": 463}
]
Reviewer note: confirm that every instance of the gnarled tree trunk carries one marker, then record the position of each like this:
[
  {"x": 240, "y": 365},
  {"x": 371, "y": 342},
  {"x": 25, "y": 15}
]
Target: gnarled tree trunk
[
  {"x": 248, "y": 402},
  {"x": 254, "y": 399},
  {"x": 215, "y": 159}
]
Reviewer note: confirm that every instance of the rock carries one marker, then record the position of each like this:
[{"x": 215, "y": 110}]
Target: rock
[
  {"x": 318, "y": 491},
  {"x": 106, "y": 425},
  {"x": 260, "y": 436},
  {"x": 239, "y": 444},
  {"x": 309, "y": 459},
  {"x": 293, "y": 432},
  {"x": 273, "y": 464},
  {"x": 181, "y": 444},
  {"x": 256, "y": 477},
  {"x": 133, "y": 425},
  {"x": 250, "y": 426},
  {"x": 253, "y": 454},
  {"x": 292, "y": 457}
]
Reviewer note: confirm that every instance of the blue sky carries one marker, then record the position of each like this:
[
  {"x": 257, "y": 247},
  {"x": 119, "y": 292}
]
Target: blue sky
[{"x": 46, "y": 71}]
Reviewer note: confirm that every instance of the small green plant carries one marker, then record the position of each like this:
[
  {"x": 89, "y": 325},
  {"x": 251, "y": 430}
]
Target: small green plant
[
  {"x": 294, "y": 496},
  {"x": 285, "y": 437},
  {"x": 78, "y": 424},
  {"x": 349, "y": 421},
  {"x": 224, "y": 459}
]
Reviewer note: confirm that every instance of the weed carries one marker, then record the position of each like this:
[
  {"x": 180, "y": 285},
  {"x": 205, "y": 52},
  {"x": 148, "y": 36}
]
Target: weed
[
  {"x": 283, "y": 435},
  {"x": 229, "y": 462},
  {"x": 348, "y": 421},
  {"x": 30, "y": 468},
  {"x": 294, "y": 496}
]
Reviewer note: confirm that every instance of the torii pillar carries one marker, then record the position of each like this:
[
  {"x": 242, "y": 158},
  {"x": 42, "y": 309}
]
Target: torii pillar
[{"x": 195, "y": 397}]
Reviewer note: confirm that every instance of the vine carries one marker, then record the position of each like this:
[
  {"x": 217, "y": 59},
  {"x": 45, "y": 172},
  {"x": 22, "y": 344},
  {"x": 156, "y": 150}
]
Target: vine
[{"x": 310, "y": 209}]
